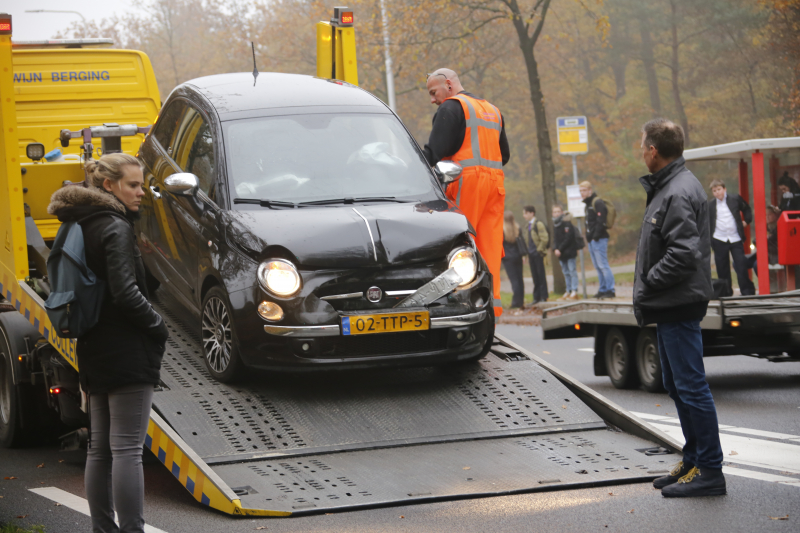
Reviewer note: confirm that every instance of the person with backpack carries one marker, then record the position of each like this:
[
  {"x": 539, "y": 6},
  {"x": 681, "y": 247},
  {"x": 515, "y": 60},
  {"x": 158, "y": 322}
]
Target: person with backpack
[
  {"x": 538, "y": 244},
  {"x": 600, "y": 216},
  {"x": 565, "y": 246},
  {"x": 120, "y": 356}
]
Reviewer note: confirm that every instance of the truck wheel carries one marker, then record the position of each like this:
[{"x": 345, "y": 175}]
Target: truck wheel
[
  {"x": 220, "y": 347},
  {"x": 648, "y": 361},
  {"x": 620, "y": 362},
  {"x": 12, "y": 399}
]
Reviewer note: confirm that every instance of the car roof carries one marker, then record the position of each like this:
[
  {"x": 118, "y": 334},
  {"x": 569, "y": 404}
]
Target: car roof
[{"x": 237, "y": 96}]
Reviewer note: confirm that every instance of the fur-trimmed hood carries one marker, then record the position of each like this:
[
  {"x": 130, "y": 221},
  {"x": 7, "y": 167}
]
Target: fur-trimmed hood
[{"x": 74, "y": 196}]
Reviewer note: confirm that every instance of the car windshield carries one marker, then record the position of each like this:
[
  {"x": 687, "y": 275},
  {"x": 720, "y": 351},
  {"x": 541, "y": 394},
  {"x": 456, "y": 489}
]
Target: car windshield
[{"x": 308, "y": 158}]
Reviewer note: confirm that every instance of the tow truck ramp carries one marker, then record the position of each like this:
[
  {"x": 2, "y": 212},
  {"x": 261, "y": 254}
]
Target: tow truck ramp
[{"x": 284, "y": 445}]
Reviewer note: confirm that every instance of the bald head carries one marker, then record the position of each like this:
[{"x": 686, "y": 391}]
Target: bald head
[{"x": 442, "y": 84}]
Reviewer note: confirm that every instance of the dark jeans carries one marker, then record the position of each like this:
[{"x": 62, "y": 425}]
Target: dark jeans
[
  {"x": 680, "y": 346},
  {"x": 540, "y": 292},
  {"x": 114, "y": 479},
  {"x": 513, "y": 268},
  {"x": 736, "y": 250}
]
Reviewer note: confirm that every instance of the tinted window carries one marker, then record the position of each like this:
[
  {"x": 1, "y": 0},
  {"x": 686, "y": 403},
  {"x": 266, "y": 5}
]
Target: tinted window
[
  {"x": 167, "y": 123},
  {"x": 194, "y": 150},
  {"x": 314, "y": 157}
]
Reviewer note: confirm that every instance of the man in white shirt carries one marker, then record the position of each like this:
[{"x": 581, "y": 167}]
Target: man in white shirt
[{"x": 728, "y": 214}]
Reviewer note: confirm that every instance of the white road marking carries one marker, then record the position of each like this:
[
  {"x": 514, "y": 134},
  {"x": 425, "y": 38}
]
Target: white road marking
[
  {"x": 731, "y": 429},
  {"x": 76, "y": 503},
  {"x": 586, "y": 350},
  {"x": 733, "y": 471},
  {"x": 752, "y": 452}
]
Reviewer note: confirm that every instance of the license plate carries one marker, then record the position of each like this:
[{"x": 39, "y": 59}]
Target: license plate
[{"x": 385, "y": 323}]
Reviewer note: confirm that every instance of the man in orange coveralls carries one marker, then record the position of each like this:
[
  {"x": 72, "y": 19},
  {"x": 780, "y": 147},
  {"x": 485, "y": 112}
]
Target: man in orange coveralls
[{"x": 470, "y": 131}]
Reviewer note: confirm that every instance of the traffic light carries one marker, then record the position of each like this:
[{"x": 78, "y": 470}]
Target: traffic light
[{"x": 336, "y": 47}]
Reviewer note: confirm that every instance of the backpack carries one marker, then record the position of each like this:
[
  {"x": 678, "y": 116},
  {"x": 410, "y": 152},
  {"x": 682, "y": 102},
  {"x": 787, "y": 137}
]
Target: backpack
[
  {"x": 73, "y": 306},
  {"x": 612, "y": 211},
  {"x": 547, "y": 229},
  {"x": 580, "y": 242}
]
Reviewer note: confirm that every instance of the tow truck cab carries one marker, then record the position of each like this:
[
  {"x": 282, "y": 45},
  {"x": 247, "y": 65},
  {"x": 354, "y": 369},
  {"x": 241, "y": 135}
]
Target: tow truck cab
[{"x": 72, "y": 84}]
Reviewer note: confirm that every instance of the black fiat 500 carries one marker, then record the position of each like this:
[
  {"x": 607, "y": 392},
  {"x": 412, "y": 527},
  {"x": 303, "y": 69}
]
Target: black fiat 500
[{"x": 298, "y": 219}]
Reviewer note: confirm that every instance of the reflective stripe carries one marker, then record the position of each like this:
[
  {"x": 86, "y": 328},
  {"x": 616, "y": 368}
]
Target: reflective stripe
[
  {"x": 458, "y": 195},
  {"x": 498, "y": 302},
  {"x": 477, "y": 162},
  {"x": 473, "y": 122}
]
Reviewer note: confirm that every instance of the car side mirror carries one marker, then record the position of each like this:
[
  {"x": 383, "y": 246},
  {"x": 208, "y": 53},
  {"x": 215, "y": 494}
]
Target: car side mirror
[
  {"x": 449, "y": 171},
  {"x": 182, "y": 184}
]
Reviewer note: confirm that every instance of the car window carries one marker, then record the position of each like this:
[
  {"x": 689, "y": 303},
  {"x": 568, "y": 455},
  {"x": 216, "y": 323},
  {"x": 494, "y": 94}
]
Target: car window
[
  {"x": 324, "y": 156},
  {"x": 167, "y": 123},
  {"x": 194, "y": 150}
]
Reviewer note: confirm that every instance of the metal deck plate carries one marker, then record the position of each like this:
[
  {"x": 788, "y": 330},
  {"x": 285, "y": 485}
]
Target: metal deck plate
[
  {"x": 278, "y": 414},
  {"x": 370, "y": 478}
]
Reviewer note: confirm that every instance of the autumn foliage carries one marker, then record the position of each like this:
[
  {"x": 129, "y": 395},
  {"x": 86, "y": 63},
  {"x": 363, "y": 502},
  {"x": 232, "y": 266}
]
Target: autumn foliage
[{"x": 727, "y": 70}]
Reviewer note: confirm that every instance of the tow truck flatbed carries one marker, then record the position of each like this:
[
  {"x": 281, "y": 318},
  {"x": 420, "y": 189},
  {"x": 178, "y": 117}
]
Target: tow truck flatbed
[{"x": 280, "y": 445}]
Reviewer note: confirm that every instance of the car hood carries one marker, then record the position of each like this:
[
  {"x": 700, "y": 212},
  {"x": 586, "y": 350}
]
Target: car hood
[{"x": 337, "y": 237}]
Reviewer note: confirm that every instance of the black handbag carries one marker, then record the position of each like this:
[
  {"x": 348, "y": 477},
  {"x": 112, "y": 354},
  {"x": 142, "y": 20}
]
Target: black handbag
[{"x": 523, "y": 248}]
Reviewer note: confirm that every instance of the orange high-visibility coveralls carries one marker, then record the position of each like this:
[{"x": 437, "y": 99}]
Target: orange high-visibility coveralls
[{"x": 480, "y": 193}]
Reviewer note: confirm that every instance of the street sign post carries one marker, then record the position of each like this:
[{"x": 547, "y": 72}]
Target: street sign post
[
  {"x": 573, "y": 139},
  {"x": 575, "y": 203}
]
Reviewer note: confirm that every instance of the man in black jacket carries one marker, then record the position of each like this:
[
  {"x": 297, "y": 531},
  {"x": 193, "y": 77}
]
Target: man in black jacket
[
  {"x": 725, "y": 214},
  {"x": 671, "y": 289},
  {"x": 566, "y": 249},
  {"x": 597, "y": 239}
]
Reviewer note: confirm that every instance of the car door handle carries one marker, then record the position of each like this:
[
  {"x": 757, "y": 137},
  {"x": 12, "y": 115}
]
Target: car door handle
[{"x": 156, "y": 193}]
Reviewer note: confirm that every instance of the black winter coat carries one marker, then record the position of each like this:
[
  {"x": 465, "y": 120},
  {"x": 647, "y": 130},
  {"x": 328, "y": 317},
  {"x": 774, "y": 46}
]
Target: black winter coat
[
  {"x": 127, "y": 344},
  {"x": 564, "y": 240},
  {"x": 673, "y": 260},
  {"x": 596, "y": 216},
  {"x": 739, "y": 209}
]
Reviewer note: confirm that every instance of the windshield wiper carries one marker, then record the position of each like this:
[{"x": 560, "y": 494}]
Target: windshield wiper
[
  {"x": 264, "y": 203},
  {"x": 353, "y": 200}
]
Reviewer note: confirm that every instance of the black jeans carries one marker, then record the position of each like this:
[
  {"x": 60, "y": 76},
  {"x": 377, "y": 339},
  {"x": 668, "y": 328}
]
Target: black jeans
[
  {"x": 540, "y": 292},
  {"x": 735, "y": 249},
  {"x": 513, "y": 268},
  {"x": 680, "y": 347}
]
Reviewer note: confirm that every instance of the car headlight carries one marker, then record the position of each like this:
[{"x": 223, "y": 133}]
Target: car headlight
[
  {"x": 465, "y": 263},
  {"x": 279, "y": 277}
]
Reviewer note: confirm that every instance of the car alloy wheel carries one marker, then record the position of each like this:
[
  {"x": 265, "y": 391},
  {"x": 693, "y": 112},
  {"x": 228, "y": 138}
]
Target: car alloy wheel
[
  {"x": 217, "y": 334},
  {"x": 219, "y": 337}
]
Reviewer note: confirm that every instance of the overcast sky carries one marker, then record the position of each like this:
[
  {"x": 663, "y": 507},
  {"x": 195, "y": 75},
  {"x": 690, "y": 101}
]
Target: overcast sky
[{"x": 36, "y": 26}]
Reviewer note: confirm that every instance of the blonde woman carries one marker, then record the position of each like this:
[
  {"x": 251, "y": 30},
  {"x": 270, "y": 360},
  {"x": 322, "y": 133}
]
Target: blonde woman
[
  {"x": 512, "y": 262},
  {"x": 120, "y": 357}
]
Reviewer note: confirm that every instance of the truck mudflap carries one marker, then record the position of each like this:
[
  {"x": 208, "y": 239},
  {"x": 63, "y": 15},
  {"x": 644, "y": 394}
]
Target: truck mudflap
[{"x": 286, "y": 445}]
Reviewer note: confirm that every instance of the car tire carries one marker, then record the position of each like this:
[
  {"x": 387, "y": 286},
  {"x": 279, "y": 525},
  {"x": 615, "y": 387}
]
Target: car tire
[
  {"x": 648, "y": 362},
  {"x": 620, "y": 361},
  {"x": 218, "y": 334}
]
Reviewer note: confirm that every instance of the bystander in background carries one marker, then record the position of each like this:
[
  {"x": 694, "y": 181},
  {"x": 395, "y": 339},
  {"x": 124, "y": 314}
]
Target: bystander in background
[
  {"x": 566, "y": 249},
  {"x": 728, "y": 215},
  {"x": 515, "y": 249},
  {"x": 538, "y": 244},
  {"x": 597, "y": 239}
]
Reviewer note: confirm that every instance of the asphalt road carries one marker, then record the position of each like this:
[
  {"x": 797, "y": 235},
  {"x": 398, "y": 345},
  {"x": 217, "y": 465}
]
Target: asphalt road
[{"x": 759, "y": 411}]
